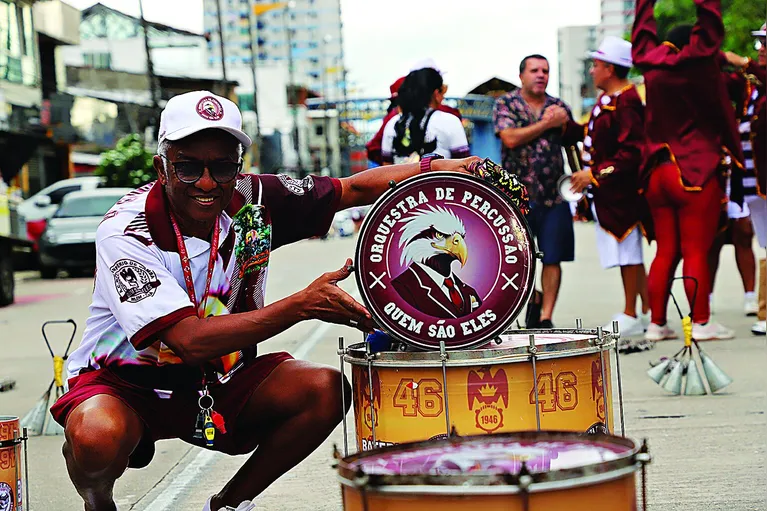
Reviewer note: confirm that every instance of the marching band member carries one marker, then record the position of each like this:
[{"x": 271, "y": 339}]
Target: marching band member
[
  {"x": 747, "y": 88},
  {"x": 612, "y": 156},
  {"x": 690, "y": 130}
]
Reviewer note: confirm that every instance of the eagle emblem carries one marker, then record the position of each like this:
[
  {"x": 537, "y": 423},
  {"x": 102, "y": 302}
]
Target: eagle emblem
[
  {"x": 210, "y": 109},
  {"x": 597, "y": 388},
  {"x": 489, "y": 394}
]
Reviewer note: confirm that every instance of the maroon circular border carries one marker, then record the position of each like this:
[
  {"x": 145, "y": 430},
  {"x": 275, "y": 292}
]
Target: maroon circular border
[{"x": 512, "y": 302}]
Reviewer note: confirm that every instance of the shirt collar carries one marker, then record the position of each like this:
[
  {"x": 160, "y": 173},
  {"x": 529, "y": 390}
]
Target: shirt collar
[{"x": 435, "y": 276}]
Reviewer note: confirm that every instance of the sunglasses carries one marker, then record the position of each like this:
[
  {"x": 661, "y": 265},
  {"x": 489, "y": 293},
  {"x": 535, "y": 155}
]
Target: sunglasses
[{"x": 189, "y": 172}]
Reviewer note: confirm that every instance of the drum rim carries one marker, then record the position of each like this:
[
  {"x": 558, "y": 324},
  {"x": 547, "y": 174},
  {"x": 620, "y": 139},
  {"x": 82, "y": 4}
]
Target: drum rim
[
  {"x": 356, "y": 354},
  {"x": 603, "y": 471},
  {"x": 442, "y": 174}
]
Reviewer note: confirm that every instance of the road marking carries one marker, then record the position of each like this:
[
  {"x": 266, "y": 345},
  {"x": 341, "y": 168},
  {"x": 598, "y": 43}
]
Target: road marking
[{"x": 196, "y": 469}]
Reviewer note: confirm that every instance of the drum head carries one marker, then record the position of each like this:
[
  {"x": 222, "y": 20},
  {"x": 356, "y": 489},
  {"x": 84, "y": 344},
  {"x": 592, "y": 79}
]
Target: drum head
[
  {"x": 565, "y": 183},
  {"x": 444, "y": 257}
]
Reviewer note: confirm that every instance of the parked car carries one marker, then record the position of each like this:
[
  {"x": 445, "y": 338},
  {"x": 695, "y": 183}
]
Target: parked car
[
  {"x": 69, "y": 238},
  {"x": 34, "y": 212}
]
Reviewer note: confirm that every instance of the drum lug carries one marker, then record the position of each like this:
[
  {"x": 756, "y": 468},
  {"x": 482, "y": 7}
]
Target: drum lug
[{"x": 392, "y": 184}]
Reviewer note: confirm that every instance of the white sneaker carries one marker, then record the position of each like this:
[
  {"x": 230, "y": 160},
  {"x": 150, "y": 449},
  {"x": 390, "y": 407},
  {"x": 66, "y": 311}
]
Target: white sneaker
[
  {"x": 711, "y": 304},
  {"x": 245, "y": 505},
  {"x": 628, "y": 326},
  {"x": 759, "y": 328},
  {"x": 659, "y": 333},
  {"x": 646, "y": 320},
  {"x": 750, "y": 305},
  {"x": 711, "y": 331}
]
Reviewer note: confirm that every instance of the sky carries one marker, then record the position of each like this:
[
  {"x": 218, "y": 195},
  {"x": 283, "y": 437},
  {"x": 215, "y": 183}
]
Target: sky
[{"x": 471, "y": 41}]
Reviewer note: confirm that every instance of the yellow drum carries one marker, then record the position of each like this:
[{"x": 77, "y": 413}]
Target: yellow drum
[
  {"x": 411, "y": 396},
  {"x": 11, "y": 493},
  {"x": 530, "y": 471}
]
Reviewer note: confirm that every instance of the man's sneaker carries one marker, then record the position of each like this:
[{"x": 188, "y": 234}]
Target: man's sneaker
[
  {"x": 659, "y": 333},
  {"x": 711, "y": 331},
  {"x": 545, "y": 324},
  {"x": 629, "y": 327},
  {"x": 245, "y": 505},
  {"x": 759, "y": 328},
  {"x": 750, "y": 304}
]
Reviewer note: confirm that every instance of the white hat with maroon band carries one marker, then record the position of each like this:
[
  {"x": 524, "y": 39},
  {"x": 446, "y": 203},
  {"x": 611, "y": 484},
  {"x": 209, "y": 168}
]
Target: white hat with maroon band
[
  {"x": 760, "y": 33},
  {"x": 195, "y": 111},
  {"x": 614, "y": 50}
]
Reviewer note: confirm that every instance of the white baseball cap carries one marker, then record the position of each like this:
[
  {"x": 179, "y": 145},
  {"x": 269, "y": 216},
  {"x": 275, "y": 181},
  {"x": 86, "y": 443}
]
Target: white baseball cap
[
  {"x": 426, "y": 64},
  {"x": 614, "y": 50},
  {"x": 195, "y": 111},
  {"x": 760, "y": 33}
]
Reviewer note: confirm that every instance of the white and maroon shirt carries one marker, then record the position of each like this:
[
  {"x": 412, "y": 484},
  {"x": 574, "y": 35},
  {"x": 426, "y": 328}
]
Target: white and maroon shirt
[
  {"x": 139, "y": 288},
  {"x": 444, "y": 135}
]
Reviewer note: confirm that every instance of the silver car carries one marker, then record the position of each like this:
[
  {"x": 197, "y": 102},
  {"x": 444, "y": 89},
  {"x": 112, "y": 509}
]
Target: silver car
[{"x": 69, "y": 239}]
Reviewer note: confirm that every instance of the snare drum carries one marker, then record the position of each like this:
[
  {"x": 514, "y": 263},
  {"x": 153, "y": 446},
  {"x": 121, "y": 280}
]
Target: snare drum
[
  {"x": 10, "y": 465},
  {"x": 411, "y": 396},
  {"x": 530, "y": 471}
]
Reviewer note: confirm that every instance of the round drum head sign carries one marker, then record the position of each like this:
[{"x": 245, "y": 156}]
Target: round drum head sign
[{"x": 444, "y": 257}]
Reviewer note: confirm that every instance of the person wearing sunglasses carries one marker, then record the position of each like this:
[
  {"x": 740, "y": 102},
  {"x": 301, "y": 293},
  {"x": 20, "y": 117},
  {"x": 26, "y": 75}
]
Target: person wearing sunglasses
[
  {"x": 746, "y": 86},
  {"x": 170, "y": 347}
]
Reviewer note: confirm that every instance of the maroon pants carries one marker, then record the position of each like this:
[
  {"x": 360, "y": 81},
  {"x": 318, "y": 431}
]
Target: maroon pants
[{"x": 685, "y": 228}]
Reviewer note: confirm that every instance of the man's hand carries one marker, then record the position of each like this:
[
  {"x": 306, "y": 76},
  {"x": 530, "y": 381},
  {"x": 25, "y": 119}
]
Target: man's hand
[
  {"x": 461, "y": 165},
  {"x": 735, "y": 59},
  {"x": 324, "y": 300},
  {"x": 555, "y": 116},
  {"x": 580, "y": 180}
]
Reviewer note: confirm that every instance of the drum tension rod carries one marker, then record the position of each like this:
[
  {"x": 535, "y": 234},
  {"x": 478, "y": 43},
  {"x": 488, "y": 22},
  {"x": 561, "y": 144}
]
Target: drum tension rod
[
  {"x": 341, "y": 353},
  {"x": 578, "y": 323},
  {"x": 616, "y": 338},
  {"x": 443, "y": 357},
  {"x": 533, "y": 350},
  {"x": 643, "y": 457},
  {"x": 525, "y": 480},
  {"x": 601, "y": 343}
]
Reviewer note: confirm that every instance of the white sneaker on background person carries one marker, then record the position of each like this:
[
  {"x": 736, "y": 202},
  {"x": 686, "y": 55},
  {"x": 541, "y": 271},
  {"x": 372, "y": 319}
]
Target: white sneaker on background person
[
  {"x": 646, "y": 320},
  {"x": 245, "y": 505},
  {"x": 659, "y": 333},
  {"x": 711, "y": 331},
  {"x": 750, "y": 304},
  {"x": 759, "y": 328},
  {"x": 628, "y": 326}
]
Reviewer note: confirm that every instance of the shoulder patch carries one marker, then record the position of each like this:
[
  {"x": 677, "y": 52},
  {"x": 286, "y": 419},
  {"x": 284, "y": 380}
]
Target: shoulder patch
[
  {"x": 133, "y": 280},
  {"x": 297, "y": 186}
]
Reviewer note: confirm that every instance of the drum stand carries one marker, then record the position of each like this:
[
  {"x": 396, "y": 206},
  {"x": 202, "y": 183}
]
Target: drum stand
[
  {"x": 617, "y": 337},
  {"x": 341, "y": 353},
  {"x": 533, "y": 350},
  {"x": 443, "y": 357}
]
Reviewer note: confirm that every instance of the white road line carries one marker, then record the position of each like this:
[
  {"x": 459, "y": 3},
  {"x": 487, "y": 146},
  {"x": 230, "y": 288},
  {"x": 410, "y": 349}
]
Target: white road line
[{"x": 192, "y": 473}]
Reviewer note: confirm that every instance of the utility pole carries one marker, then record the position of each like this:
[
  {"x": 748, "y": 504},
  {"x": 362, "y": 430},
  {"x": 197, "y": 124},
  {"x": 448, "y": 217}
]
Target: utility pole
[
  {"x": 153, "y": 89},
  {"x": 343, "y": 146},
  {"x": 257, "y": 145},
  {"x": 326, "y": 93},
  {"x": 221, "y": 44},
  {"x": 292, "y": 89}
]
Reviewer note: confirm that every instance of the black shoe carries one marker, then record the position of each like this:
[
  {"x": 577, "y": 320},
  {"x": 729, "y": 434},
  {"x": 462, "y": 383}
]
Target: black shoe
[
  {"x": 533, "y": 313},
  {"x": 545, "y": 323}
]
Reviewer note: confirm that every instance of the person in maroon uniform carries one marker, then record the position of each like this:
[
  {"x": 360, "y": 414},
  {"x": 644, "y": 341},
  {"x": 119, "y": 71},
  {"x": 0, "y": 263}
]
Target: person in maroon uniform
[
  {"x": 690, "y": 132},
  {"x": 612, "y": 156},
  {"x": 747, "y": 89},
  {"x": 374, "y": 145}
]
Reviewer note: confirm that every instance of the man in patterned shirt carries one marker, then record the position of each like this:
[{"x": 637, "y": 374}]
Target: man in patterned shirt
[{"x": 533, "y": 127}]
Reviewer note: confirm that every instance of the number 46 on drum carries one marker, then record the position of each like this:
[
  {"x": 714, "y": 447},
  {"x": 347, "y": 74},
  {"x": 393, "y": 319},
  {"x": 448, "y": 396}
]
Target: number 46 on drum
[{"x": 560, "y": 392}]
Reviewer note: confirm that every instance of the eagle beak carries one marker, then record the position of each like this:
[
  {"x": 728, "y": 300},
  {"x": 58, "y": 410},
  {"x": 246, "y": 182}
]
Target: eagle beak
[{"x": 456, "y": 246}]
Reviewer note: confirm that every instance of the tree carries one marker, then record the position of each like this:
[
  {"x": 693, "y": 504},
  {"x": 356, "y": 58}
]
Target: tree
[
  {"x": 740, "y": 18},
  {"x": 129, "y": 164}
]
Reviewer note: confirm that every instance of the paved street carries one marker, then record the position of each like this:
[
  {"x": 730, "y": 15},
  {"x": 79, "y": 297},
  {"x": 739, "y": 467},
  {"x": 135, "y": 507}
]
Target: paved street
[{"x": 708, "y": 452}]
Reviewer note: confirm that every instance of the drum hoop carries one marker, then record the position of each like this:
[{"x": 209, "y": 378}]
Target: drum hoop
[
  {"x": 529, "y": 283},
  {"x": 356, "y": 354},
  {"x": 498, "y": 484},
  {"x": 4, "y": 444},
  {"x": 541, "y": 480}
]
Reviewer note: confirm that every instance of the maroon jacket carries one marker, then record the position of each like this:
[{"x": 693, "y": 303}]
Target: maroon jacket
[
  {"x": 688, "y": 119},
  {"x": 740, "y": 89},
  {"x": 374, "y": 146},
  {"x": 419, "y": 290},
  {"x": 616, "y": 135}
]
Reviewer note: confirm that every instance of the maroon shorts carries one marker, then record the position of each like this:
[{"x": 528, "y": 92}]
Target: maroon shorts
[{"x": 174, "y": 416}]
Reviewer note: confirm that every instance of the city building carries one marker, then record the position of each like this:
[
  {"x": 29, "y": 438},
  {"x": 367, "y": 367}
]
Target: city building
[
  {"x": 576, "y": 87},
  {"x": 617, "y": 18}
]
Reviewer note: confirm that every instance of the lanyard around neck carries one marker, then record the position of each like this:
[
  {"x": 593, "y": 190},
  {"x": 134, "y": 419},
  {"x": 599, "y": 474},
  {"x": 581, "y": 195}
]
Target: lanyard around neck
[{"x": 186, "y": 266}]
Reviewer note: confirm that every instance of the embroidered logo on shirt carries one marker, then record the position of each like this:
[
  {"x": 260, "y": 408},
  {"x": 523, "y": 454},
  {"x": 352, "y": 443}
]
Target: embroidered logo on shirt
[
  {"x": 298, "y": 187},
  {"x": 254, "y": 239},
  {"x": 134, "y": 281}
]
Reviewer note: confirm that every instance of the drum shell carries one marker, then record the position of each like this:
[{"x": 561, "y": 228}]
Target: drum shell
[
  {"x": 10, "y": 460},
  {"x": 408, "y": 397}
]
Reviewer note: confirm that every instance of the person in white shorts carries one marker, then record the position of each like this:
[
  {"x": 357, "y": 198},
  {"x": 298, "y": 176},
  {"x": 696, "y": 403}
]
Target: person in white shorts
[
  {"x": 747, "y": 88},
  {"x": 612, "y": 158}
]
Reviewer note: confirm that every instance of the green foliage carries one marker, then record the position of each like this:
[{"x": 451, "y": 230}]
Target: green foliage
[
  {"x": 740, "y": 18},
  {"x": 128, "y": 164}
]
